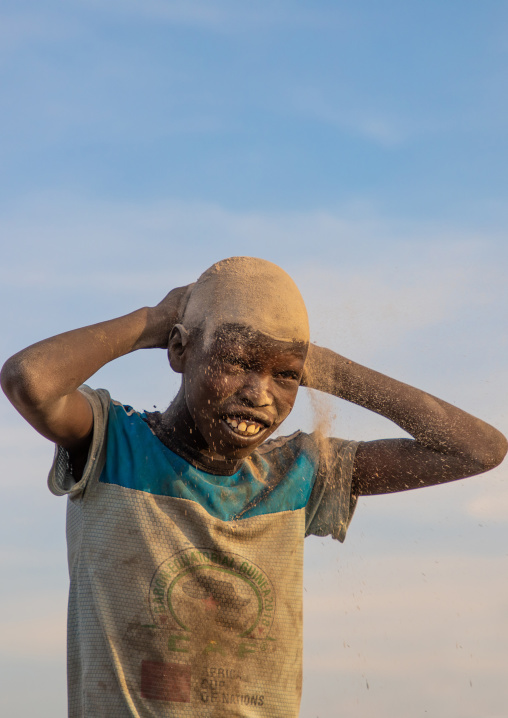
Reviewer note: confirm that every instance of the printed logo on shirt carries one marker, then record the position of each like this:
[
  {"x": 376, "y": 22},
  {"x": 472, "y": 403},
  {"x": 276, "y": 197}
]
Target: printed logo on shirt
[{"x": 215, "y": 602}]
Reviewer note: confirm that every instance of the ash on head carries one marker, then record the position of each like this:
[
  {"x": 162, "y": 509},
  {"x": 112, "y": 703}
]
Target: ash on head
[{"x": 248, "y": 292}]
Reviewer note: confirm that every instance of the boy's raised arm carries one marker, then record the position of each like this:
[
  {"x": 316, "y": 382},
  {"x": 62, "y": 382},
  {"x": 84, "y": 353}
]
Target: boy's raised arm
[
  {"x": 448, "y": 443},
  {"x": 41, "y": 381}
]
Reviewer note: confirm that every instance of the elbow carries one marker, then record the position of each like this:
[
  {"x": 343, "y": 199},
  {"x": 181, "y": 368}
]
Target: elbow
[
  {"x": 9, "y": 378},
  {"x": 494, "y": 447},
  {"x": 501, "y": 450},
  {"x": 19, "y": 383}
]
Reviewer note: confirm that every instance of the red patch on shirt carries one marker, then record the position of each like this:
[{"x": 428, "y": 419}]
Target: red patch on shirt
[{"x": 169, "y": 682}]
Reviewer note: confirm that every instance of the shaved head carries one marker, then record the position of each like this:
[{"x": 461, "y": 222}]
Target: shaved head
[{"x": 249, "y": 292}]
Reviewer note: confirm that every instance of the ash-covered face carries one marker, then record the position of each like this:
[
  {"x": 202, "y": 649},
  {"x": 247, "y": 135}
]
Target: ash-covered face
[{"x": 240, "y": 388}]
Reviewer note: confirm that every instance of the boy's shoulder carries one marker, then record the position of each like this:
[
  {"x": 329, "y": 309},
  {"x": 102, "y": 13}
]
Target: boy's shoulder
[
  {"x": 280, "y": 441},
  {"x": 315, "y": 445}
]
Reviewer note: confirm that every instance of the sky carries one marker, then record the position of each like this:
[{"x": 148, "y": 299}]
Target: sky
[{"x": 363, "y": 147}]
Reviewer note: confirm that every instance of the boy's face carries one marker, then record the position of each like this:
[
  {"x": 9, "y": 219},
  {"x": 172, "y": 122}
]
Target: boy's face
[{"x": 241, "y": 388}]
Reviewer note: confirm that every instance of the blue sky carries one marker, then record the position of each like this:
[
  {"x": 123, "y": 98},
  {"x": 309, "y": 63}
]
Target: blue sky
[{"x": 361, "y": 146}]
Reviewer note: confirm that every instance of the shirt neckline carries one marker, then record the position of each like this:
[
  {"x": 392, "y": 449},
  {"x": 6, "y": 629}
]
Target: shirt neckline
[{"x": 221, "y": 467}]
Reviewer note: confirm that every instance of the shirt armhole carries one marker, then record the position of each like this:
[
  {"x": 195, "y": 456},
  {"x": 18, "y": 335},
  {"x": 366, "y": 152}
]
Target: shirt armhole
[
  {"x": 332, "y": 504},
  {"x": 61, "y": 482}
]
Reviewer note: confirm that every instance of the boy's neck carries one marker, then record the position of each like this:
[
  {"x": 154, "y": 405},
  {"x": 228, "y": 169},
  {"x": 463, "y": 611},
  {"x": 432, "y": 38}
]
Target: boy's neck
[{"x": 176, "y": 429}]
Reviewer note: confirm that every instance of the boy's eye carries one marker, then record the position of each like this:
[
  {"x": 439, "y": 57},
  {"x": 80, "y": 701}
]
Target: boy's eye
[
  {"x": 288, "y": 374},
  {"x": 236, "y": 362}
]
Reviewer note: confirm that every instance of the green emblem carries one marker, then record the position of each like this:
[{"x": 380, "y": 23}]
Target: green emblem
[{"x": 224, "y": 591}]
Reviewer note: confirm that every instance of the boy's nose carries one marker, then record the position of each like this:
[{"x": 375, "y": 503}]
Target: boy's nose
[{"x": 256, "y": 391}]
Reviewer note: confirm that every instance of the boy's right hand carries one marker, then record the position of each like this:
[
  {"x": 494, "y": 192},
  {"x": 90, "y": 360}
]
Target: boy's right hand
[{"x": 162, "y": 318}]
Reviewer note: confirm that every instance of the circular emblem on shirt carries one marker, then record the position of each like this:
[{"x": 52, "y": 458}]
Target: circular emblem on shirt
[{"x": 199, "y": 586}]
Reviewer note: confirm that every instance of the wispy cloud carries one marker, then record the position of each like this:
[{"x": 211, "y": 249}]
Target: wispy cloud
[
  {"x": 45, "y": 223},
  {"x": 378, "y": 305},
  {"x": 379, "y": 279},
  {"x": 373, "y": 117},
  {"x": 340, "y": 110},
  {"x": 21, "y": 27},
  {"x": 220, "y": 15}
]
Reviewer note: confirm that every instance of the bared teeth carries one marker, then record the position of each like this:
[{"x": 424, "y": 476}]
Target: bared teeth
[{"x": 243, "y": 426}]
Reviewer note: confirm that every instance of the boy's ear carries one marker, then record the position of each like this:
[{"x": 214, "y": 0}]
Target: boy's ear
[{"x": 178, "y": 340}]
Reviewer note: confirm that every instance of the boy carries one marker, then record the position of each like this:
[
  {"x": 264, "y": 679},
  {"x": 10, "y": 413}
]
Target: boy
[{"x": 184, "y": 528}]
